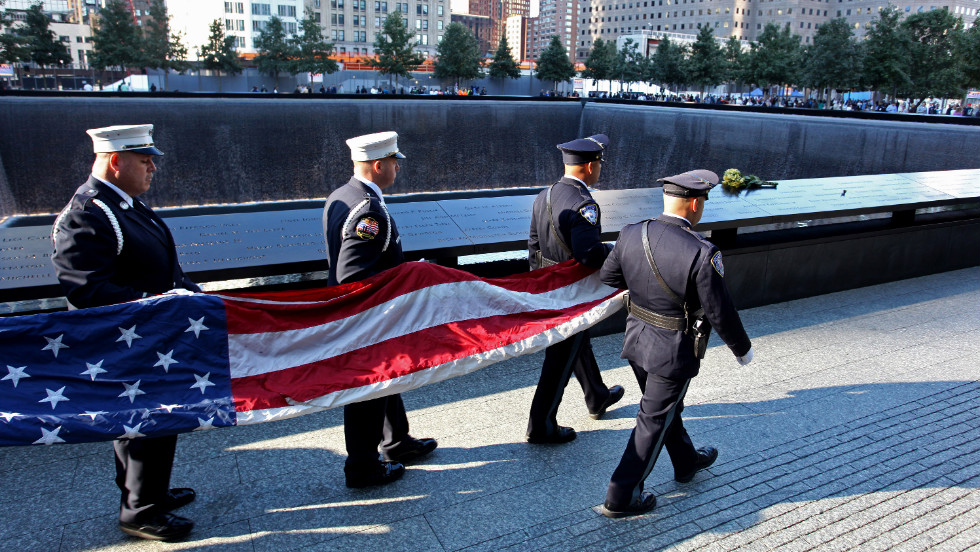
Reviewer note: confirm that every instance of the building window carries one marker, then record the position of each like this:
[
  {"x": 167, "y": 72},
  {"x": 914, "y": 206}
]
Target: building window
[
  {"x": 261, "y": 9},
  {"x": 439, "y": 24},
  {"x": 228, "y": 7},
  {"x": 287, "y": 11},
  {"x": 439, "y": 11}
]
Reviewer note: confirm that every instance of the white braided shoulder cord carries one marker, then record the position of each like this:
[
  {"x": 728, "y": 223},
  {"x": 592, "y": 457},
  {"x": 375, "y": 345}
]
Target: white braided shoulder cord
[{"x": 113, "y": 222}]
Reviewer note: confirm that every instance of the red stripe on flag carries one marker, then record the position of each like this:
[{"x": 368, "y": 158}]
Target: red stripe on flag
[
  {"x": 334, "y": 303},
  {"x": 390, "y": 359}
]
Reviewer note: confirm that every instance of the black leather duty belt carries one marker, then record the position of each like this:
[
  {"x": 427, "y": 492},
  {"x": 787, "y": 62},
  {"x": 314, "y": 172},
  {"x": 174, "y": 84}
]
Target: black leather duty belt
[{"x": 654, "y": 318}]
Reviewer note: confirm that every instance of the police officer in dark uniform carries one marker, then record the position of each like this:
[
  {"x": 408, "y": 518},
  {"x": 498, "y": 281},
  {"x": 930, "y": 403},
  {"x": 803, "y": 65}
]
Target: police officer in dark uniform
[
  {"x": 565, "y": 224},
  {"x": 110, "y": 248},
  {"x": 676, "y": 287},
  {"x": 362, "y": 240}
]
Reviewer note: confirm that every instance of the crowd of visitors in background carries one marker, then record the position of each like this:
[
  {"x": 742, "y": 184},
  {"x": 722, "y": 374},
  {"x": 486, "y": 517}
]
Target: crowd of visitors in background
[{"x": 927, "y": 107}]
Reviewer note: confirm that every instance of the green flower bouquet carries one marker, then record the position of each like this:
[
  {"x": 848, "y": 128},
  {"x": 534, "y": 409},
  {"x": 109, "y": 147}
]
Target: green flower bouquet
[{"x": 734, "y": 182}]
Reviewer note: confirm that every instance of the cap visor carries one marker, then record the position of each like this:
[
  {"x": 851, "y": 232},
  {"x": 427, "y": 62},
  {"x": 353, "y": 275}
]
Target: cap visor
[
  {"x": 398, "y": 155},
  {"x": 146, "y": 151}
]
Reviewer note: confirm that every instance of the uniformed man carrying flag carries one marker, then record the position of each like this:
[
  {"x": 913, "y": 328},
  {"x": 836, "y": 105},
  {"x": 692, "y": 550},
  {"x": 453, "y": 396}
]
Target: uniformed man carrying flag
[
  {"x": 565, "y": 225},
  {"x": 677, "y": 293}
]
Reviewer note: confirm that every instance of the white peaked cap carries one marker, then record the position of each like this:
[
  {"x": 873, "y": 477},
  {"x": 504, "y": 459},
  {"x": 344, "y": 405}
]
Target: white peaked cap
[
  {"x": 134, "y": 138},
  {"x": 374, "y": 146}
]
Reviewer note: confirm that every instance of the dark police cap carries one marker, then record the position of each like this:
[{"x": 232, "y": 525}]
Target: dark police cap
[
  {"x": 694, "y": 183},
  {"x": 584, "y": 150}
]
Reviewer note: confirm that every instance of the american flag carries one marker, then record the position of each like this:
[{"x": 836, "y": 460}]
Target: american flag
[{"x": 178, "y": 363}]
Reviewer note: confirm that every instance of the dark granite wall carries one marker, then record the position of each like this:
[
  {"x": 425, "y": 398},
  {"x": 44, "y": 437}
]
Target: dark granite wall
[
  {"x": 649, "y": 143},
  {"x": 236, "y": 150}
]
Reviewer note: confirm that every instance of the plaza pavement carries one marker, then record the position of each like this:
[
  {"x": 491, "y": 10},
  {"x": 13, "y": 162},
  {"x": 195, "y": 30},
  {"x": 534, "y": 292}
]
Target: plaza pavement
[{"x": 857, "y": 427}]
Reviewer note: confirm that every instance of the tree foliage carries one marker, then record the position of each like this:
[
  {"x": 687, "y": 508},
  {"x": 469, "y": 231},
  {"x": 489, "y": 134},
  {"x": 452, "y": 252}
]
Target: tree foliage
[
  {"x": 629, "y": 63},
  {"x": 11, "y": 44},
  {"x": 458, "y": 55},
  {"x": 834, "y": 58},
  {"x": 219, "y": 53},
  {"x": 601, "y": 62},
  {"x": 311, "y": 50},
  {"x": 395, "y": 49},
  {"x": 934, "y": 65},
  {"x": 775, "y": 57},
  {"x": 668, "y": 65},
  {"x": 969, "y": 45},
  {"x": 41, "y": 43},
  {"x": 503, "y": 65},
  {"x": 554, "y": 65},
  {"x": 163, "y": 49},
  {"x": 116, "y": 41},
  {"x": 734, "y": 60},
  {"x": 885, "y": 66},
  {"x": 275, "y": 52},
  {"x": 707, "y": 62}
]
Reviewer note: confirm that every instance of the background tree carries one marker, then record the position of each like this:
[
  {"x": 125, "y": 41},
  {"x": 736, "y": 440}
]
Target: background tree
[
  {"x": 458, "y": 55},
  {"x": 312, "y": 51},
  {"x": 41, "y": 44},
  {"x": 969, "y": 46},
  {"x": 163, "y": 49},
  {"x": 275, "y": 52},
  {"x": 11, "y": 44},
  {"x": 116, "y": 40},
  {"x": 395, "y": 49},
  {"x": 668, "y": 65},
  {"x": 934, "y": 67},
  {"x": 503, "y": 65},
  {"x": 219, "y": 53},
  {"x": 834, "y": 58},
  {"x": 885, "y": 66},
  {"x": 553, "y": 65},
  {"x": 734, "y": 61},
  {"x": 706, "y": 65},
  {"x": 629, "y": 64},
  {"x": 775, "y": 57},
  {"x": 601, "y": 61}
]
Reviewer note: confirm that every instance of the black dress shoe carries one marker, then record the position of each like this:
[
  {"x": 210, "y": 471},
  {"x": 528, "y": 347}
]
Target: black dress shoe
[
  {"x": 380, "y": 474},
  {"x": 563, "y": 435},
  {"x": 163, "y": 527},
  {"x": 641, "y": 505},
  {"x": 178, "y": 497},
  {"x": 706, "y": 457},
  {"x": 615, "y": 393},
  {"x": 411, "y": 450}
]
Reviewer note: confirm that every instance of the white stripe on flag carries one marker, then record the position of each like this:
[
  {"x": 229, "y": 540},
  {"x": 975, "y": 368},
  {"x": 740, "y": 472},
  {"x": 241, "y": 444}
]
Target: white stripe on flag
[
  {"x": 435, "y": 374},
  {"x": 255, "y": 354}
]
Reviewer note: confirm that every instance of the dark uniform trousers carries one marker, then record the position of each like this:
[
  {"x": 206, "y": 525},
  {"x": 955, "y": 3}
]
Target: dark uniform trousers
[
  {"x": 663, "y": 360},
  {"x": 93, "y": 271},
  {"x": 570, "y": 203},
  {"x": 354, "y": 256}
]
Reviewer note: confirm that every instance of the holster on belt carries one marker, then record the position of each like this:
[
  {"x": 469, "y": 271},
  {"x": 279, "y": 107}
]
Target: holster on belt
[
  {"x": 698, "y": 325},
  {"x": 543, "y": 261}
]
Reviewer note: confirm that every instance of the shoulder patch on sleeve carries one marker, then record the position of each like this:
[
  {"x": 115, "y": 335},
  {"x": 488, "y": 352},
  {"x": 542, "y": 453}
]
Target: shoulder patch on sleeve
[
  {"x": 367, "y": 228},
  {"x": 590, "y": 213},
  {"x": 716, "y": 262}
]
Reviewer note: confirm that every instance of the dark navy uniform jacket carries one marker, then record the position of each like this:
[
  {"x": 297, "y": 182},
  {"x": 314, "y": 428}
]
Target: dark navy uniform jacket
[
  {"x": 90, "y": 265},
  {"x": 362, "y": 239},
  {"x": 577, "y": 220},
  {"x": 692, "y": 268}
]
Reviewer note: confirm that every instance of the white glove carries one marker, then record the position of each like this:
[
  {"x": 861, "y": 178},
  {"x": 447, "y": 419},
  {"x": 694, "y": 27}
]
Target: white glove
[
  {"x": 179, "y": 291},
  {"x": 747, "y": 358}
]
